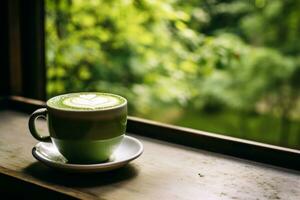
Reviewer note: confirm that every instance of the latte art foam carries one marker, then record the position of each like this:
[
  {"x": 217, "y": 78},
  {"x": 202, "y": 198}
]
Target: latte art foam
[
  {"x": 91, "y": 101},
  {"x": 86, "y": 101}
]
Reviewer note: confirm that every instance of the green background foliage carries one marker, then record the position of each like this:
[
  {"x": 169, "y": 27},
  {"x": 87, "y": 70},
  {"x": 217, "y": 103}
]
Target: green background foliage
[{"x": 230, "y": 67}]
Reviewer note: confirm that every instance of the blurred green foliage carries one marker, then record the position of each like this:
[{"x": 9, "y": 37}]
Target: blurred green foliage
[{"x": 193, "y": 56}]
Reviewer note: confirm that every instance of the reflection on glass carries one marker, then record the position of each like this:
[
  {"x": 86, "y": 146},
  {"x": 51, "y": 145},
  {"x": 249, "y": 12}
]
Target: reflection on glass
[{"x": 229, "y": 67}]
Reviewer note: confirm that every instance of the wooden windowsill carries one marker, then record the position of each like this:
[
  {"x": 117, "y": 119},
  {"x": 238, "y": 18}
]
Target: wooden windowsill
[{"x": 164, "y": 171}]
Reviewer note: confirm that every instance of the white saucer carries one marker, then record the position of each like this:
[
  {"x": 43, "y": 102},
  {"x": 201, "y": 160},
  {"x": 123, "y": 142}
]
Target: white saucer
[{"x": 129, "y": 149}]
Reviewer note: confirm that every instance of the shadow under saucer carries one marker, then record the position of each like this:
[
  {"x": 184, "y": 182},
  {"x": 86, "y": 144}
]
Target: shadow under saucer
[{"x": 71, "y": 179}]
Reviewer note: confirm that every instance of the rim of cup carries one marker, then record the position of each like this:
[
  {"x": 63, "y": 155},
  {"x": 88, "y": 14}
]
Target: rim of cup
[{"x": 124, "y": 104}]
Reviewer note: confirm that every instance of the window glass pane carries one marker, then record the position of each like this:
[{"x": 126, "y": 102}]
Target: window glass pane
[{"x": 229, "y": 67}]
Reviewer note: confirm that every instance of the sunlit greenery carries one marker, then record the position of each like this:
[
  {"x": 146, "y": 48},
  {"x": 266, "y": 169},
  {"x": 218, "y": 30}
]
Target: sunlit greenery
[{"x": 230, "y": 67}]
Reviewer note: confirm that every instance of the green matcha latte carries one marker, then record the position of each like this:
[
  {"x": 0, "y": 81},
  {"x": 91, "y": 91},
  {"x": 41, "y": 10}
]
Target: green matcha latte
[
  {"x": 85, "y": 127},
  {"x": 86, "y": 101}
]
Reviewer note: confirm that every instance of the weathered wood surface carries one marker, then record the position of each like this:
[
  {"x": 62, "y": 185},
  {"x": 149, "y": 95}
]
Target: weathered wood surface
[{"x": 164, "y": 171}]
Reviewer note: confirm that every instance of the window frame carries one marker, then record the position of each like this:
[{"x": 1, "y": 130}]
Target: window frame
[
  {"x": 23, "y": 66},
  {"x": 25, "y": 77}
]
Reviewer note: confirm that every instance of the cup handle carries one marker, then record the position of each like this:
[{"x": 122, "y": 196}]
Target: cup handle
[{"x": 42, "y": 112}]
